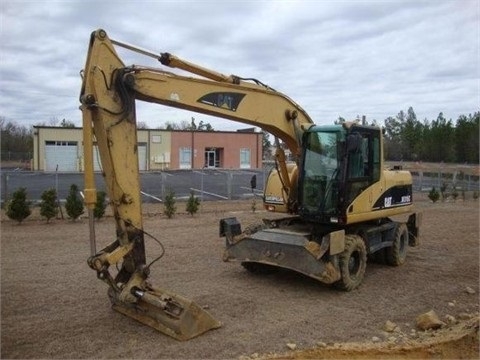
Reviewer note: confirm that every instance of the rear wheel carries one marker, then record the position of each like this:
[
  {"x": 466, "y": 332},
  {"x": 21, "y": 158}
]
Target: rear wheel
[
  {"x": 353, "y": 262},
  {"x": 397, "y": 253}
]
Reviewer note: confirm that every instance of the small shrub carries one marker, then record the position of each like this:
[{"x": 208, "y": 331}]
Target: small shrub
[
  {"x": 192, "y": 204},
  {"x": 18, "y": 208},
  {"x": 48, "y": 205},
  {"x": 434, "y": 195},
  {"x": 169, "y": 204},
  {"x": 100, "y": 205},
  {"x": 74, "y": 205}
]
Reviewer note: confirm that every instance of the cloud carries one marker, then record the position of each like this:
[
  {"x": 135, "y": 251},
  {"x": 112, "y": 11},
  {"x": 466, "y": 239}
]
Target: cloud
[{"x": 334, "y": 59}]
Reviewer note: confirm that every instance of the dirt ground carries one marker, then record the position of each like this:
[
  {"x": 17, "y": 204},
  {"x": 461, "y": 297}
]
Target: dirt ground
[{"x": 52, "y": 305}]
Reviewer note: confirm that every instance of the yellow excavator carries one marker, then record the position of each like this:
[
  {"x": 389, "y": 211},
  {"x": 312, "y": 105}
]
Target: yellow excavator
[{"x": 337, "y": 197}]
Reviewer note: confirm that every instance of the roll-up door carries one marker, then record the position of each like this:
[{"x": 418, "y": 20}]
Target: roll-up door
[{"x": 61, "y": 156}]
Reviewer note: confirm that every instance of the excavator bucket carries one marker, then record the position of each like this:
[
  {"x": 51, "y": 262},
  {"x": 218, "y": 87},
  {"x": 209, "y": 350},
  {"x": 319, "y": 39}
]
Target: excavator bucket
[
  {"x": 169, "y": 313},
  {"x": 133, "y": 295}
]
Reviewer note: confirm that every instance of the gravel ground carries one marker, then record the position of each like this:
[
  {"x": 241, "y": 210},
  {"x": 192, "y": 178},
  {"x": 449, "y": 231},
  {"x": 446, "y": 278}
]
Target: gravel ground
[{"x": 52, "y": 305}]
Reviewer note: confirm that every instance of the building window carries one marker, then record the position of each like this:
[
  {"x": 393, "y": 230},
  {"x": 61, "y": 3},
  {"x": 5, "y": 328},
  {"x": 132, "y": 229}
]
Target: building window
[
  {"x": 185, "y": 158},
  {"x": 244, "y": 158},
  {"x": 61, "y": 143},
  {"x": 157, "y": 139}
]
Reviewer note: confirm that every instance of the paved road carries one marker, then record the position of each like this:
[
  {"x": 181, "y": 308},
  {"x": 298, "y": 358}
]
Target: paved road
[{"x": 207, "y": 184}]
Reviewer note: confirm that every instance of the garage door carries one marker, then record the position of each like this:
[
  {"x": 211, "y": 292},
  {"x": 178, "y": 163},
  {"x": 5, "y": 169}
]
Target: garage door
[
  {"x": 142, "y": 158},
  {"x": 61, "y": 156}
]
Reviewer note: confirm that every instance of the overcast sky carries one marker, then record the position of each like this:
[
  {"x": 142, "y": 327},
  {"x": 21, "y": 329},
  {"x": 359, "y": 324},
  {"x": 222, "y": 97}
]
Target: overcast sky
[{"x": 334, "y": 58}]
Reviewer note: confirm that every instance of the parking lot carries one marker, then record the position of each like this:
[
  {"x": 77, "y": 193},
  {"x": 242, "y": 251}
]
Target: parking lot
[{"x": 207, "y": 184}]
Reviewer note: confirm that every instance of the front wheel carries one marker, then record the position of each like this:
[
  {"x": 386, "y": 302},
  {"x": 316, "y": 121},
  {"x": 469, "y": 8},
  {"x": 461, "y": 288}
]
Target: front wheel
[{"x": 353, "y": 262}]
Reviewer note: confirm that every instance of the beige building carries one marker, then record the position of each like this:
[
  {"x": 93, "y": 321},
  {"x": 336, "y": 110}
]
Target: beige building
[{"x": 61, "y": 149}]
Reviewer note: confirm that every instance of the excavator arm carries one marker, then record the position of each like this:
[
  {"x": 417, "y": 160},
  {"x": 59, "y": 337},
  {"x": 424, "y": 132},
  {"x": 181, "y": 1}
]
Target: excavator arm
[{"x": 108, "y": 95}]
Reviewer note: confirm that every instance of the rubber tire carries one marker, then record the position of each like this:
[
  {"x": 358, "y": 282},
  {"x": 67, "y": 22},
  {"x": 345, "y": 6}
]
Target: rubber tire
[
  {"x": 352, "y": 262},
  {"x": 397, "y": 253},
  {"x": 258, "y": 268}
]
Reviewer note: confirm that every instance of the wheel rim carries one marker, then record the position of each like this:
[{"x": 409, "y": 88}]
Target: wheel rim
[
  {"x": 354, "y": 263},
  {"x": 402, "y": 244}
]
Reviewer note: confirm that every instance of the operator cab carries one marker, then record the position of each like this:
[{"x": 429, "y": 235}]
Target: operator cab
[{"x": 338, "y": 163}]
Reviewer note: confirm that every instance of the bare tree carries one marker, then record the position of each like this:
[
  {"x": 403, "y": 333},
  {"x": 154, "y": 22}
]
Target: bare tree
[
  {"x": 142, "y": 125},
  {"x": 53, "y": 121}
]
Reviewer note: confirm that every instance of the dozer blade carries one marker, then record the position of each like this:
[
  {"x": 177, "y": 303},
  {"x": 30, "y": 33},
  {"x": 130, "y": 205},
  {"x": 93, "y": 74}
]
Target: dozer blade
[
  {"x": 169, "y": 313},
  {"x": 288, "y": 247}
]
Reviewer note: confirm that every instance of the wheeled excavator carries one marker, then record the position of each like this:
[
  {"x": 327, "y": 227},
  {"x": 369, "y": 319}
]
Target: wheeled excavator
[{"x": 339, "y": 201}]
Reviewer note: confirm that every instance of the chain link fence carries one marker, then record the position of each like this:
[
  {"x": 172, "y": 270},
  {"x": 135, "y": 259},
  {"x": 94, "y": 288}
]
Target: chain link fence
[
  {"x": 206, "y": 184},
  {"x": 426, "y": 181}
]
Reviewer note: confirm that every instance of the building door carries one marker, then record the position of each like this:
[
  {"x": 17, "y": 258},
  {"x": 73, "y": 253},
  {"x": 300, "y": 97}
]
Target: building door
[
  {"x": 213, "y": 157},
  {"x": 210, "y": 158},
  {"x": 142, "y": 156}
]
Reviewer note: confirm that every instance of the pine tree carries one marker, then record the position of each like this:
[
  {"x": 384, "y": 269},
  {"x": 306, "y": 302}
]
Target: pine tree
[
  {"x": 192, "y": 204},
  {"x": 169, "y": 204},
  {"x": 18, "y": 208},
  {"x": 48, "y": 205},
  {"x": 100, "y": 205},
  {"x": 74, "y": 205}
]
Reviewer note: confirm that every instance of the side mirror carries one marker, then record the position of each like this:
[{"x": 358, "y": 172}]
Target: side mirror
[{"x": 253, "y": 182}]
